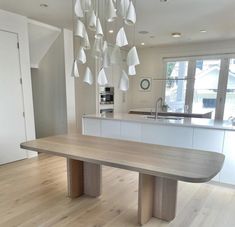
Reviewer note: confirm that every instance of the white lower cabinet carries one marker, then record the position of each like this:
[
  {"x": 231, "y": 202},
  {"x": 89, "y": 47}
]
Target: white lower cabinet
[
  {"x": 167, "y": 135},
  {"x": 91, "y": 127},
  {"x": 131, "y": 131},
  {"x": 186, "y": 137},
  {"x": 111, "y": 129},
  {"x": 228, "y": 171},
  {"x": 209, "y": 140}
]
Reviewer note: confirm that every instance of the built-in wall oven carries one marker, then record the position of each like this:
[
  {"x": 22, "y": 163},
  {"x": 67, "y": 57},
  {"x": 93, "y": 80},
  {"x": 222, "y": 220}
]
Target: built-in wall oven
[
  {"x": 106, "y": 95},
  {"x": 106, "y": 99}
]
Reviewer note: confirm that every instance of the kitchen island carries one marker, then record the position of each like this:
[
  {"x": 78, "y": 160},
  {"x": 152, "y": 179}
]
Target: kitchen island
[{"x": 192, "y": 133}]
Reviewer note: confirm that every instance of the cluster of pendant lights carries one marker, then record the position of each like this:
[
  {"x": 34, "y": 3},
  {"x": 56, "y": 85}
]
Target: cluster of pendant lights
[{"x": 100, "y": 50}]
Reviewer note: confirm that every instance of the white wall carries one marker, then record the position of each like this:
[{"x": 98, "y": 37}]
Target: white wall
[
  {"x": 151, "y": 59},
  {"x": 69, "y": 81},
  {"x": 18, "y": 24},
  {"x": 49, "y": 92}
]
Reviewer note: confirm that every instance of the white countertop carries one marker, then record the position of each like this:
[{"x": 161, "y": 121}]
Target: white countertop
[{"x": 186, "y": 122}]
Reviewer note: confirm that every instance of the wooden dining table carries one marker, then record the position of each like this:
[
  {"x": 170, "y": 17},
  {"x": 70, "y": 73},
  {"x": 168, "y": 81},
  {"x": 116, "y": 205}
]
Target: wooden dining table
[{"x": 159, "y": 167}]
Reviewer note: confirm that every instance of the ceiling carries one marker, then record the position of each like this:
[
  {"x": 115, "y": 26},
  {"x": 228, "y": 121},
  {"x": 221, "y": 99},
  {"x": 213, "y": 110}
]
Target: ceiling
[{"x": 160, "y": 19}]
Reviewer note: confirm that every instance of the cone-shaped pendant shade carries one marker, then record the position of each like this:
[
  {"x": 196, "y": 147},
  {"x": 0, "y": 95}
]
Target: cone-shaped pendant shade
[
  {"x": 123, "y": 7},
  {"x": 102, "y": 78},
  {"x": 75, "y": 72},
  {"x": 97, "y": 48},
  {"x": 131, "y": 70},
  {"x": 92, "y": 21},
  {"x": 86, "y": 5},
  {"x": 85, "y": 43},
  {"x": 132, "y": 57},
  {"x": 99, "y": 30},
  {"x": 116, "y": 57},
  {"x": 78, "y": 9},
  {"x": 111, "y": 11},
  {"x": 81, "y": 56},
  {"x": 124, "y": 82},
  {"x": 88, "y": 78},
  {"x": 121, "y": 39},
  {"x": 106, "y": 55},
  {"x": 80, "y": 29},
  {"x": 131, "y": 14}
]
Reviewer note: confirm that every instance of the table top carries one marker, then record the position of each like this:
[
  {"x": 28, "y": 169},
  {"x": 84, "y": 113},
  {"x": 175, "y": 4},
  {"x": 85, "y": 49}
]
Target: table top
[{"x": 173, "y": 163}]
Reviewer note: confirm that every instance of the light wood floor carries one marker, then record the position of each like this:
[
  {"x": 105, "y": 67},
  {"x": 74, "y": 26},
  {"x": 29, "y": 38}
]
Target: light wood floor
[{"x": 33, "y": 193}]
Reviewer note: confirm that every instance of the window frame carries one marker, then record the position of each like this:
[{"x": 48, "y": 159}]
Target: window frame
[{"x": 222, "y": 83}]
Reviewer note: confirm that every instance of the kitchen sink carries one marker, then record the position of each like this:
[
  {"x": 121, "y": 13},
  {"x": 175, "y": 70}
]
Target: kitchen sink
[{"x": 164, "y": 117}]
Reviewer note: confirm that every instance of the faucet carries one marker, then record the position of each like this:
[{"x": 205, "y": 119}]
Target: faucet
[{"x": 156, "y": 107}]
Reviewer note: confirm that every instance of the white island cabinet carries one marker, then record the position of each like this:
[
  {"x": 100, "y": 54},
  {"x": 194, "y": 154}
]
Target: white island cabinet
[
  {"x": 228, "y": 171},
  {"x": 199, "y": 134},
  {"x": 209, "y": 140}
]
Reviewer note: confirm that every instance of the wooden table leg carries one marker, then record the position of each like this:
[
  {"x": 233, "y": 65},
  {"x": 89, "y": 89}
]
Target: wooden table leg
[
  {"x": 165, "y": 198},
  {"x": 83, "y": 178},
  {"x": 145, "y": 203},
  {"x": 75, "y": 178},
  {"x": 92, "y": 179},
  {"x": 157, "y": 198}
]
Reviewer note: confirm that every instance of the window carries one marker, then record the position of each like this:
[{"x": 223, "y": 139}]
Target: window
[
  {"x": 206, "y": 86},
  {"x": 201, "y": 85},
  {"x": 176, "y": 84}
]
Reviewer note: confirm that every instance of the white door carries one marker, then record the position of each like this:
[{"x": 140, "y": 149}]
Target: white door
[{"x": 12, "y": 123}]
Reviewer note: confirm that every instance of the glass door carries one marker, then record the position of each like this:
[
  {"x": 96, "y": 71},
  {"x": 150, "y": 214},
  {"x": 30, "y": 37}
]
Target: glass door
[
  {"x": 176, "y": 82},
  {"x": 206, "y": 86}
]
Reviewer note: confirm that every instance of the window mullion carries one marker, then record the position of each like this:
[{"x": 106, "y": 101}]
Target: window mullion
[
  {"x": 222, "y": 88},
  {"x": 190, "y": 84}
]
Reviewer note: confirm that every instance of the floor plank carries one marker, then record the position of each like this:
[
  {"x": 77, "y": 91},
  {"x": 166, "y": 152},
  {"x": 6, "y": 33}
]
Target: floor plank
[{"x": 33, "y": 193}]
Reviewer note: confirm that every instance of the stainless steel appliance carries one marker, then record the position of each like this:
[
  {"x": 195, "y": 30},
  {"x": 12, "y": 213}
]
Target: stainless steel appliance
[
  {"x": 106, "y": 95},
  {"x": 106, "y": 99}
]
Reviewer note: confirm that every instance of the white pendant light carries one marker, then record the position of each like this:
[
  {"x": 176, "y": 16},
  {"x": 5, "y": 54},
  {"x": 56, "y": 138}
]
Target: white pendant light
[
  {"x": 102, "y": 78},
  {"x": 99, "y": 30},
  {"x": 121, "y": 39},
  {"x": 75, "y": 72},
  {"x": 106, "y": 55},
  {"x": 86, "y": 5},
  {"x": 124, "y": 82},
  {"x": 131, "y": 15},
  {"x": 132, "y": 57},
  {"x": 116, "y": 57},
  {"x": 88, "y": 78},
  {"x": 92, "y": 21},
  {"x": 97, "y": 48},
  {"x": 123, "y": 7},
  {"x": 111, "y": 11},
  {"x": 81, "y": 56},
  {"x": 131, "y": 70},
  {"x": 85, "y": 42},
  {"x": 80, "y": 29},
  {"x": 78, "y": 9}
]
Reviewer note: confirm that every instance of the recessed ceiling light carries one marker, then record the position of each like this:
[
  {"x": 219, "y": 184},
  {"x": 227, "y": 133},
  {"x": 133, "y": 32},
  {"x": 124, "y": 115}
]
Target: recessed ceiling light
[
  {"x": 203, "y": 31},
  {"x": 111, "y": 31},
  {"x": 43, "y": 5},
  {"x": 142, "y": 44},
  {"x": 176, "y": 34},
  {"x": 143, "y": 32}
]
